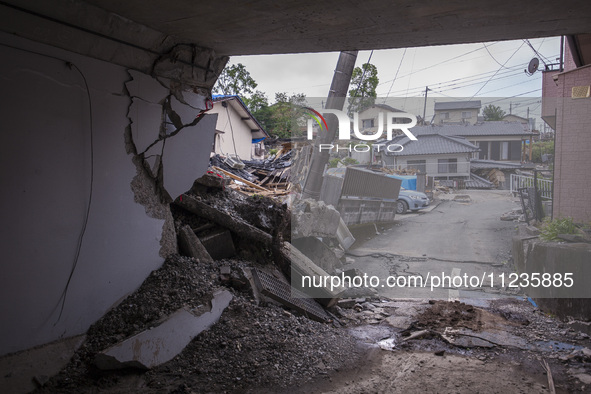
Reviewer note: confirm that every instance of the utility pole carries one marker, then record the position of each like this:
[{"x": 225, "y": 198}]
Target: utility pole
[
  {"x": 425, "y": 105},
  {"x": 336, "y": 100}
]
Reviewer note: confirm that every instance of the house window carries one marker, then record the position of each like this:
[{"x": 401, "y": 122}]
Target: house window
[
  {"x": 466, "y": 115},
  {"x": 367, "y": 123},
  {"x": 447, "y": 166},
  {"x": 505, "y": 150},
  {"x": 419, "y": 165},
  {"x": 445, "y": 115}
]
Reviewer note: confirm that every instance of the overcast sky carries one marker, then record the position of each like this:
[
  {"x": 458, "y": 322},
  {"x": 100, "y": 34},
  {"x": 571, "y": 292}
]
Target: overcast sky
[{"x": 460, "y": 71}]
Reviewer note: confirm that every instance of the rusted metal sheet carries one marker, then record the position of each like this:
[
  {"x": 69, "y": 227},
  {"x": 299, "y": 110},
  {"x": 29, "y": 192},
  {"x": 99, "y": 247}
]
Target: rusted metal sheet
[{"x": 282, "y": 292}]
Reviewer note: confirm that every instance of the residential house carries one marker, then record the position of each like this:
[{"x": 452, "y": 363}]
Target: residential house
[
  {"x": 566, "y": 105},
  {"x": 457, "y": 112},
  {"x": 497, "y": 140},
  {"x": 438, "y": 156},
  {"x": 237, "y": 131},
  {"x": 369, "y": 118}
]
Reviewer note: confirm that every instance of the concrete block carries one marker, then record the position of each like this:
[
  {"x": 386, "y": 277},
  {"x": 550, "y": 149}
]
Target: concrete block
[
  {"x": 219, "y": 244},
  {"x": 312, "y": 218},
  {"x": 191, "y": 246},
  {"x": 162, "y": 343},
  {"x": 211, "y": 179}
]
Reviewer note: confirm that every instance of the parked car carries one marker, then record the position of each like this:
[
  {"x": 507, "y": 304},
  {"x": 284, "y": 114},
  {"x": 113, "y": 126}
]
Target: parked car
[{"x": 411, "y": 200}]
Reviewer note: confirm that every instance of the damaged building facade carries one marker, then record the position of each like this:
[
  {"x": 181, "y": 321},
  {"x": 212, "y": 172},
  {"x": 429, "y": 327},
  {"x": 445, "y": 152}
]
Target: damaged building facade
[{"x": 95, "y": 145}]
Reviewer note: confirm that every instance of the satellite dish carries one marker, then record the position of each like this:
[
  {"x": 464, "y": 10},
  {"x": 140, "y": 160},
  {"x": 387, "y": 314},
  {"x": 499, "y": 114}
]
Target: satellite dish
[{"x": 533, "y": 65}]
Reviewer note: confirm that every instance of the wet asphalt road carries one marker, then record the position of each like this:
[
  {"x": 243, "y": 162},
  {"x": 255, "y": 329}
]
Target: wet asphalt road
[{"x": 465, "y": 239}]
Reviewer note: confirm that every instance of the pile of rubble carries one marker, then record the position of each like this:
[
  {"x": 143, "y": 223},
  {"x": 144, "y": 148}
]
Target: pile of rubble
[
  {"x": 269, "y": 177},
  {"x": 252, "y": 345},
  {"x": 399, "y": 171}
]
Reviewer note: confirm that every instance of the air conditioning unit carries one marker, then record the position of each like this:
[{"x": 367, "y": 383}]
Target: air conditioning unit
[{"x": 234, "y": 162}]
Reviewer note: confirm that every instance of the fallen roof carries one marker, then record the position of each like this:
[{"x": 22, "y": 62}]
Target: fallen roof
[
  {"x": 450, "y": 105},
  {"x": 432, "y": 144},
  {"x": 493, "y": 128},
  {"x": 476, "y": 182}
]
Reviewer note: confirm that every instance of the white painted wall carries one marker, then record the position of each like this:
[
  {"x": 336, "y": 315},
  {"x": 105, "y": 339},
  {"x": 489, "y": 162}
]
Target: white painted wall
[
  {"x": 45, "y": 165},
  {"x": 456, "y": 116},
  {"x": 231, "y": 124}
]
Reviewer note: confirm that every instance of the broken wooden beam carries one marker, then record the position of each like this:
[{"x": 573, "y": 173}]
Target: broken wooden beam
[
  {"x": 233, "y": 224},
  {"x": 237, "y": 178},
  {"x": 191, "y": 246}
]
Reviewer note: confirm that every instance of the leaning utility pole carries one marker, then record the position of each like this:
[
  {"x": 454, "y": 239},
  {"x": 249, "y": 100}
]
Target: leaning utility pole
[
  {"x": 425, "y": 105},
  {"x": 336, "y": 100}
]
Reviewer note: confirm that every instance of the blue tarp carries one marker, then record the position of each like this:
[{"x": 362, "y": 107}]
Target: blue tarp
[{"x": 409, "y": 182}]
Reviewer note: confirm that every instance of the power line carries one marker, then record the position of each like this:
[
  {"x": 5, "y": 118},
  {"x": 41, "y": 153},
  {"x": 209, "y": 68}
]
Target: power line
[
  {"x": 493, "y": 58},
  {"x": 396, "y": 75},
  {"x": 492, "y": 76}
]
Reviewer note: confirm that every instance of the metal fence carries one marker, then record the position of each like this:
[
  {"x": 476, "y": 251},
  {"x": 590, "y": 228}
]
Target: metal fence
[{"x": 543, "y": 186}]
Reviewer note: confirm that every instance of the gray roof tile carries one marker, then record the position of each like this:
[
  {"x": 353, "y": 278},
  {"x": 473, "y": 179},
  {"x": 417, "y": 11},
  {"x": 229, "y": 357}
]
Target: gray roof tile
[
  {"x": 432, "y": 144},
  {"x": 497, "y": 128}
]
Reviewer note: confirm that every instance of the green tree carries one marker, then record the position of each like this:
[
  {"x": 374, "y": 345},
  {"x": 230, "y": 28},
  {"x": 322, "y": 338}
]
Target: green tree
[
  {"x": 284, "y": 119},
  {"x": 235, "y": 80},
  {"x": 493, "y": 112},
  {"x": 540, "y": 148},
  {"x": 256, "y": 102},
  {"x": 364, "y": 82}
]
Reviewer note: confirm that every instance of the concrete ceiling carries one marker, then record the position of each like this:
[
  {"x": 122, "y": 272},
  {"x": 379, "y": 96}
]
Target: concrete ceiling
[
  {"x": 238, "y": 27},
  {"x": 189, "y": 41}
]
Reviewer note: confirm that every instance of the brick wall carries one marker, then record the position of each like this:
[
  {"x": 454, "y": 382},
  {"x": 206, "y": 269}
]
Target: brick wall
[{"x": 572, "y": 173}]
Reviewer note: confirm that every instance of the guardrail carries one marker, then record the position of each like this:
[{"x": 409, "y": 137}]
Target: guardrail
[{"x": 544, "y": 186}]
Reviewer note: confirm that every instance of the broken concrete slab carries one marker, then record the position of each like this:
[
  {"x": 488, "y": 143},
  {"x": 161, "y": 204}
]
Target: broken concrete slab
[
  {"x": 311, "y": 218},
  {"x": 219, "y": 244},
  {"x": 235, "y": 224},
  {"x": 191, "y": 142},
  {"x": 162, "y": 343},
  {"x": 146, "y": 120},
  {"x": 191, "y": 246},
  {"x": 211, "y": 179},
  {"x": 344, "y": 236},
  {"x": 146, "y": 87},
  {"x": 318, "y": 252}
]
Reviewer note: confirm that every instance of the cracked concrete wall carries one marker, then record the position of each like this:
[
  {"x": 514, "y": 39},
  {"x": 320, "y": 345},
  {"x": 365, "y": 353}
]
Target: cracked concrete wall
[{"x": 46, "y": 166}]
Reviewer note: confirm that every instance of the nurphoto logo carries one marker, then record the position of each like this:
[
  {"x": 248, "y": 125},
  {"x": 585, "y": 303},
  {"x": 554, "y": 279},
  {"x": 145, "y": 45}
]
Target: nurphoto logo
[{"x": 393, "y": 121}]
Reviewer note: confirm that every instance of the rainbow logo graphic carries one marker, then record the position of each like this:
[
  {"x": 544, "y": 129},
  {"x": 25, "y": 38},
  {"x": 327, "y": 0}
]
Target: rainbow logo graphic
[{"x": 316, "y": 118}]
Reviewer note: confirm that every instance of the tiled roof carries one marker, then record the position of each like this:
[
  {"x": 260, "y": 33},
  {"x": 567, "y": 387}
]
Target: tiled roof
[
  {"x": 451, "y": 105},
  {"x": 432, "y": 144},
  {"x": 476, "y": 164},
  {"x": 476, "y": 182},
  {"x": 496, "y": 128}
]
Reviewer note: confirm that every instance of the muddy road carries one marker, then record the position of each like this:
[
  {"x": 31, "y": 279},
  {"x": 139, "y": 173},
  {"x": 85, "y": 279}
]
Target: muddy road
[{"x": 457, "y": 338}]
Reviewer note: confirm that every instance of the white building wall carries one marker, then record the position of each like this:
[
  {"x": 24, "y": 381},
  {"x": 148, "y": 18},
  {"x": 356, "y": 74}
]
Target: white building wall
[
  {"x": 46, "y": 159},
  {"x": 231, "y": 124}
]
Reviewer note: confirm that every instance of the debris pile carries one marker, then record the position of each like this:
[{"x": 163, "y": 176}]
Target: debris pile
[
  {"x": 399, "y": 171},
  {"x": 251, "y": 346},
  {"x": 269, "y": 177}
]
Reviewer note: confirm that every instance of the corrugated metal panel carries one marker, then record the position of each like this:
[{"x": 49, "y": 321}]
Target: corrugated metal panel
[{"x": 365, "y": 183}]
